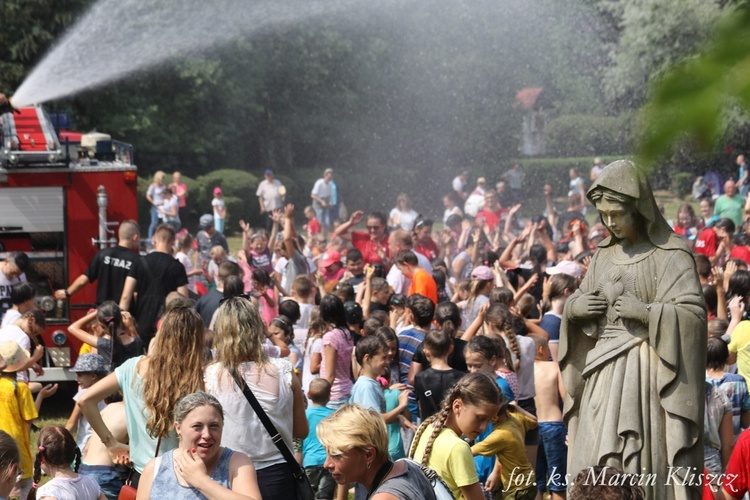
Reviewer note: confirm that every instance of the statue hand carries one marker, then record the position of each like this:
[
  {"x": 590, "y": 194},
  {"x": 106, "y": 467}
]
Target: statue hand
[
  {"x": 588, "y": 305},
  {"x": 628, "y": 306}
]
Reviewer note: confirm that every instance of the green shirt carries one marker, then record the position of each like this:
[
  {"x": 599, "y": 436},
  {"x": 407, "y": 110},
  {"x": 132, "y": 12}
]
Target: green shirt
[{"x": 734, "y": 208}]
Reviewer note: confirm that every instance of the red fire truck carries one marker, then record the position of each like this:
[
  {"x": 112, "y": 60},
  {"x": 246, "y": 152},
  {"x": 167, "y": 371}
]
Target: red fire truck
[{"x": 62, "y": 194}]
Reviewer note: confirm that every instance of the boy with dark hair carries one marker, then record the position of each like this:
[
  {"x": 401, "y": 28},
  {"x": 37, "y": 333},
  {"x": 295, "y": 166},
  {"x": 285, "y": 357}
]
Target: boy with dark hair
[
  {"x": 422, "y": 282},
  {"x": 419, "y": 313},
  {"x": 313, "y": 453},
  {"x": 355, "y": 268},
  {"x": 11, "y": 272},
  {"x": 209, "y": 302},
  {"x": 23, "y": 298},
  {"x": 371, "y": 354},
  {"x": 431, "y": 384}
]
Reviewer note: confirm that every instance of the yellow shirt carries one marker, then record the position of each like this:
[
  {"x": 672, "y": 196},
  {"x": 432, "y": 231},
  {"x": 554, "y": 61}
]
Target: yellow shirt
[
  {"x": 740, "y": 344},
  {"x": 506, "y": 441},
  {"x": 451, "y": 458},
  {"x": 85, "y": 349},
  {"x": 16, "y": 410}
]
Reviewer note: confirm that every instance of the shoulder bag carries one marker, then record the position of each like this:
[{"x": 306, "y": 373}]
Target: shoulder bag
[
  {"x": 301, "y": 483},
  {"x": 128, "y": 492}
]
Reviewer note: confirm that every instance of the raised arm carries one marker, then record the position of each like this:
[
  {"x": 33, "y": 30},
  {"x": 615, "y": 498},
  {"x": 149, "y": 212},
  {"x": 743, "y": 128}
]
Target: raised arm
[
  {"x": 290, "y": 233},
  {"x": 343, "y": 230},
  {"x": 77, "y": 330}
]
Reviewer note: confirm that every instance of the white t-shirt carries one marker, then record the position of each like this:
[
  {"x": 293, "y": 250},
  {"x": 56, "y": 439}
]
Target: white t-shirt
[
  {"x": 576, "y": 186},
  {"x": 474, "y": 203},
  {"x": 10, "y": 317},
  {"x": 458, "y": 184},
  {"x": 13, "y": 332},
  {"x": 450, "y": 211},
  {"x": 5, "y": 287},
  {"x": 314, "y": 347},
  {"x": 404, "y": 219},
  {"x": 184, "y": 259},
  {"x": 217, "y": 203},
  {"x": 269, "y": 191},
  {"x": 323, "y": 190},
  {"x": 84, "y": 428},
  {"x": 155, "y": 192},
  {"x": 172, "y": 204},
  {"x": 243, "y": 430},
  {"x": 526, "y": 371},
  {"x": 62, "y": 488}
]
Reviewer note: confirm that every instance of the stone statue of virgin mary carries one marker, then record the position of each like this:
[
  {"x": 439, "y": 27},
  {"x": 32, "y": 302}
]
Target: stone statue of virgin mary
[{"x": 633, "y": 346}]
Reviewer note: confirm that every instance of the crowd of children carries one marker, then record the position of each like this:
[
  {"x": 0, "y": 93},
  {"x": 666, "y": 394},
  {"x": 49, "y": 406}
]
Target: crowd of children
[{"x": 452, "y": 341}]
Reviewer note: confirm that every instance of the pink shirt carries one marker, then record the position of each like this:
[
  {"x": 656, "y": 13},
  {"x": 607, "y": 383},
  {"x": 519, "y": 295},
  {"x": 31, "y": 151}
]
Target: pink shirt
[
  {"x": 180, "y": 190},
  {"x": 267, "y": 312},
  {"x": 344, "y": 344}
]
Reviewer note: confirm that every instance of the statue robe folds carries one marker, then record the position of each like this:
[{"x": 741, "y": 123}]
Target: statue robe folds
[{"x": 635, "y": 391}]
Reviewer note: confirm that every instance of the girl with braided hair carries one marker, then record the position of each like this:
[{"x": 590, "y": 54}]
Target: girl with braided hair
[
  {"x": 115, "y": 337},
  {"x": 467, "y": 409},
  {"x": 56, "y": 451},
  {"x": 511, "y": 329}
]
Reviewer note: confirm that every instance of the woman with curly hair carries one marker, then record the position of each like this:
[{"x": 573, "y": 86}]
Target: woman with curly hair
[
  {"x": 151, "y": 386},
  {"x": 239, "y": 334}
]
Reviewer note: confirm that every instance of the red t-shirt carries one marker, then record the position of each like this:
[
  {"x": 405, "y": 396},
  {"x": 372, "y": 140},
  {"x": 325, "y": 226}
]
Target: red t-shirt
[
  {"x": 369, "y": 248},
  {"x": 429, "y": 250},
  {"x": 492, "y": 219},
  {"x": 740, "y": 252},
  {"x": 423, "y": 284},
  {"x": 737, "y": 476},
  {"x": 705, "y": 243},
  {"x": 313, "y": 227}
]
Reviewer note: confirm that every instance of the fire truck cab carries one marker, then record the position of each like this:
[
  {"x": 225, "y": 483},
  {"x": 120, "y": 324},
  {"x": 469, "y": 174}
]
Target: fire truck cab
[{"x": 62, "y": 195}]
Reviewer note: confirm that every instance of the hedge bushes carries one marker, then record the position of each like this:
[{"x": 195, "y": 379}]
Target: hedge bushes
[
  {"x": 573, "y": 135},
  {"x": 375, "y": 189}
]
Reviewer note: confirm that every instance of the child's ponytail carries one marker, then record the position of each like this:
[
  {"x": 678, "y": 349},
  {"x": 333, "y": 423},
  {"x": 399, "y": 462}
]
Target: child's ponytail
[
  {"x": 58, "y": 449},
  {"x": 37, "y": 474},
  {"x": 500, "y": 318},
  {"x": 108, "y": 314}
]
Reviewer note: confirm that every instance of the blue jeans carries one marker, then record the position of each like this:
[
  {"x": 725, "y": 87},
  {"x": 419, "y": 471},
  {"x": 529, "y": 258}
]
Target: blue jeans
[
  {"x": 320, "y": 479},
  {"x": 551, "y": 457},
  {"x": 154, "y": 221},
  {"x": 323, "y": 215},
  {"x": 110, "y": 478},
  {"x": 219, "y": 225}
]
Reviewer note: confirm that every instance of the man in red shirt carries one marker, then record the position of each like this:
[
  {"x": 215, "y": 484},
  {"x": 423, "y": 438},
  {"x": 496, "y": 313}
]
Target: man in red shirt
[
  {"x": 374, "y": 243},
  {"x": 736, "y": 480},
  {"x": 421, "y": 281},
  {"x": 492, "y": 212},
  {"x": 423, "y": 242}
]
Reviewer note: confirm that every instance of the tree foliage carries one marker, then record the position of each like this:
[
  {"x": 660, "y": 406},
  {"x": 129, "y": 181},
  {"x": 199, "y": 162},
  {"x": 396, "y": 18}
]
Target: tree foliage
[{"x": 705, "y": 99}]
